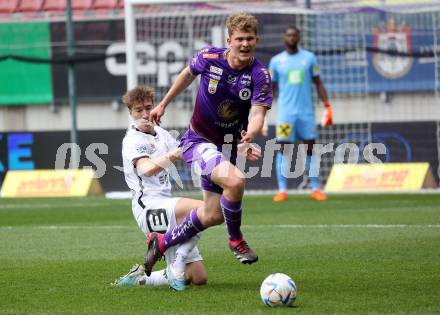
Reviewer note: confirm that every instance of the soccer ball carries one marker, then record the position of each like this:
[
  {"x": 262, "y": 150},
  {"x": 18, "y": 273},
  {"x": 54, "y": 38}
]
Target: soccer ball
[{"x": 278, "y": 289}]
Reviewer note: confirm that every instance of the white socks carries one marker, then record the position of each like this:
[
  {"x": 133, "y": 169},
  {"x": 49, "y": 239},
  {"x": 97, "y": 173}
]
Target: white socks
[
  {"x": 178, "y": 265},
  {"x": 156, "y": 278},
  {"x": 182, "y": 252}
]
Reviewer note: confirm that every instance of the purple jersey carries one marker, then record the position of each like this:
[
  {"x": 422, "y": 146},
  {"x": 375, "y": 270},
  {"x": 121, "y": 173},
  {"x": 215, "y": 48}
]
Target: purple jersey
[{"x": 225, "y": 95}]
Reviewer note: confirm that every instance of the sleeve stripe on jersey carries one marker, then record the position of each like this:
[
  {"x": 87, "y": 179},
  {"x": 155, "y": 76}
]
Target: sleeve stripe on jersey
[
  {"x": 138, "y": 158},
  {"x": 142, "y": 193}
]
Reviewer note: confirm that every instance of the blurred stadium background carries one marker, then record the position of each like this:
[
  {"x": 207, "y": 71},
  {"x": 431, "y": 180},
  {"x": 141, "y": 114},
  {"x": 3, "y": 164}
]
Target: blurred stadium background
[{"x": 380, "y": 62}]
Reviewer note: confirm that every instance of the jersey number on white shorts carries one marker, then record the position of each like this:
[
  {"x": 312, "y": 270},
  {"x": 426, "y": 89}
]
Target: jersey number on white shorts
[{"x": 157, "y": 220}]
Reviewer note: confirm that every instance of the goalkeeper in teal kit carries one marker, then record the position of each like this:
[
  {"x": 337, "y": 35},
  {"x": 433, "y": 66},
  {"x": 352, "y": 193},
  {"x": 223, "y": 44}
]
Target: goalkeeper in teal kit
[{"x": 293, "y": 71}]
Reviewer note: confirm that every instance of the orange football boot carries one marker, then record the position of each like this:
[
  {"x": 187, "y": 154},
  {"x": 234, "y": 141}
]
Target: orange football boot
[
  {"x": 281, "y": 196},
  {"x": 318, "y": 195}
]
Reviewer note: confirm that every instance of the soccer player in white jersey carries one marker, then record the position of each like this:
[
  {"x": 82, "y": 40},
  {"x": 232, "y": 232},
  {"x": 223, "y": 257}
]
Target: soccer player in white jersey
[
  {"x": 293, "y": 72},
  {"x": 148, "y": 152}
]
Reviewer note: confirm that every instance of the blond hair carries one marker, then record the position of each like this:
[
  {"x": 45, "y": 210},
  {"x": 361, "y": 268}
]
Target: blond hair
[
  {"x": 138, "y": 95},
  {"x": 242, "y": 21}
]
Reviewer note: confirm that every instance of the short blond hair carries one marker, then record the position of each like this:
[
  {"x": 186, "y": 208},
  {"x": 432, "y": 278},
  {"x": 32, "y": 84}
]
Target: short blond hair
[
  {"x": 242, "y": 21},
  {"x": 138, "y": 95}
]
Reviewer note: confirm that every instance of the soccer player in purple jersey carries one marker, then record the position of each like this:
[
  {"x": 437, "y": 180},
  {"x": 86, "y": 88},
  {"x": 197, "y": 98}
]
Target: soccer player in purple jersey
[{"x": 232, "y": 85}]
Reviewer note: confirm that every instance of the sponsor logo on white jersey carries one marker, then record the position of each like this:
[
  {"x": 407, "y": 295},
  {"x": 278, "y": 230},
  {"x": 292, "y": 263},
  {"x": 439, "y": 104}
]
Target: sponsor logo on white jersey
[{"x": 148, "y": 148}]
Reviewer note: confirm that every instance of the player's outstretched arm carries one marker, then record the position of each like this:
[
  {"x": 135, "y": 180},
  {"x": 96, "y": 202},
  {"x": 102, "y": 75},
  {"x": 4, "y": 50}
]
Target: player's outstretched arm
[
  {"x": 183, "y": 80},
  {"x": 327, "y": 117},
  {"x": 150, "y": 167},
  {"x": 256, "y": 122}
]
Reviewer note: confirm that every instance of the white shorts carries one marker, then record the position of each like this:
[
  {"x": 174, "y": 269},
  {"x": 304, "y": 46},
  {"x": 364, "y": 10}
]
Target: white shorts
[{"x": 158, "y": 215}]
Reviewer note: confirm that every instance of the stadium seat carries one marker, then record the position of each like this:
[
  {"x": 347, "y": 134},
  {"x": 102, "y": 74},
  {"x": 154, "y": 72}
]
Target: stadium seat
[
  {"x": 8, "y": 6},
  {"x": 105, "y": 4},
  {"x": 120, "y": 4},
  {"x": 82, "y": 4},
  {"x": 54, "y": 5},
  {"x": 60, "y": 5},
  {"x": 30, "y": 5}
]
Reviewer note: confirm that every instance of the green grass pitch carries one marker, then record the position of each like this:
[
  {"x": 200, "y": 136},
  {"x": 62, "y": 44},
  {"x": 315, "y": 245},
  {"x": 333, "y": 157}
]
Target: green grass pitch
[{"x": 355, "y": 254}]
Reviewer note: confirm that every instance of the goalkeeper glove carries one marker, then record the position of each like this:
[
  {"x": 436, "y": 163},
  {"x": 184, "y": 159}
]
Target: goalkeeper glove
[{"x": 327, "y": 117}]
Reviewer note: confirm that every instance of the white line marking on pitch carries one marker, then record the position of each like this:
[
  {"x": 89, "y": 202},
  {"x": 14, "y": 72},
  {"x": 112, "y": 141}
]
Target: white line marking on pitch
[
  {"x": 283, "y": 226},
  {"x": 362, "y": 226},
  {"x": 53, "y": 206},
  {"x": 66, "y": 227}
]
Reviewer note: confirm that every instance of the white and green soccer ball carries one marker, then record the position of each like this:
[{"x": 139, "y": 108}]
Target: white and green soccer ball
[{"x": 278, "y": 289}]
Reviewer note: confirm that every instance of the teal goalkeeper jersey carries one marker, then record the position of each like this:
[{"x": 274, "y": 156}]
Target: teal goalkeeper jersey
[{"x": 294, "y": 73}]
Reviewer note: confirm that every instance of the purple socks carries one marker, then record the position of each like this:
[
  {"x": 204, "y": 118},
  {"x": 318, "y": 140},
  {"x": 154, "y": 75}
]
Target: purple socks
[
  {"x": 232, "y": 214},
  {"x": 182, "y": 232},
  {"x": 191, "y": 224}
]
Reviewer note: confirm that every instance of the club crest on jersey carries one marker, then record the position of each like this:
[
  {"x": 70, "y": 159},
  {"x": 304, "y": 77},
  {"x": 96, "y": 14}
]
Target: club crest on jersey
[
  {"x": 212, "y": 86},
  {"x": 232, "y": 79},
  {"x": 216, "y": 70},
  {"x": 148, "y": 149},
  {"x": 245, "y": 94}
]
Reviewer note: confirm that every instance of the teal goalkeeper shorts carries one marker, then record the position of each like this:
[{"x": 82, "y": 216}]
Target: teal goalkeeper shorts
[{"x": 293, "y": 128}]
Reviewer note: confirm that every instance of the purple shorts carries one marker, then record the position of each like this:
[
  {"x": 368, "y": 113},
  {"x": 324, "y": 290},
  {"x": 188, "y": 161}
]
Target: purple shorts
[{"x": 204, "y": 155}]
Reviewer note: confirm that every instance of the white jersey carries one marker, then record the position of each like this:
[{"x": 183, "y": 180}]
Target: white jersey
[
  {"x": 152, "y": 205},
  {"x": 137, "y": 145}
]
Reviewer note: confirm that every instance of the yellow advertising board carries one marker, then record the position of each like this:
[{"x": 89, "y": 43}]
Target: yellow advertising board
[
  {"x": 380, "y": 177},
  {"x": 50, "y": 183}
]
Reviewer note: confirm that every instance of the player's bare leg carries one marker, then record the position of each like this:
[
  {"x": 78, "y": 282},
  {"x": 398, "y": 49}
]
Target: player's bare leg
[
  {"x": 184, "y": 206},
  {"x": 196, "y": 273},
  {"x": 212, "y": 211}
]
